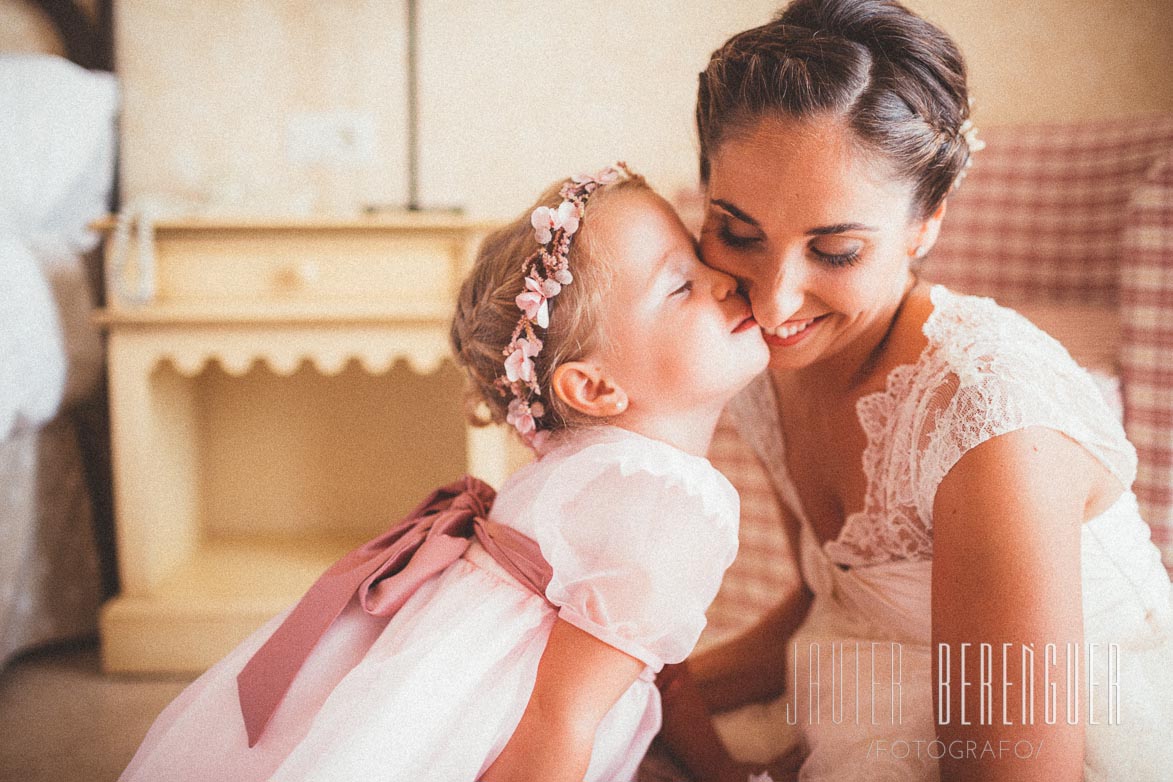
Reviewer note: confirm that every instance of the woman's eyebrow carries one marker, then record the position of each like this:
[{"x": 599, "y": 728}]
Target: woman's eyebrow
[
  {"x": 733, "y": 210},
  {"x": 839, "y": 228},
  {"x": 823, "y": 230}
]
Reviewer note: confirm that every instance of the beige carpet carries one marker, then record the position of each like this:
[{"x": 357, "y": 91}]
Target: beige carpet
[{"x": 62, "y": 720}]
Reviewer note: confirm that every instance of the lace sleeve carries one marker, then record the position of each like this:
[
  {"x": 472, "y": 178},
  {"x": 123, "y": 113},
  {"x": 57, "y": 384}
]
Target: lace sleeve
[{"x": 996, "y": 373}]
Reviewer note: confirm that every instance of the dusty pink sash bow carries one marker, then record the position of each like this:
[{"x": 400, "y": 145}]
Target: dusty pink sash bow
[{"x": 384, "y": 573}]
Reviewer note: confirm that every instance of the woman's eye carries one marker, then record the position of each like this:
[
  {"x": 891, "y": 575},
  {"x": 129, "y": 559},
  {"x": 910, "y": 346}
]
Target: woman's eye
[
  {"x": 685, "y": 288},
  {"x": 735, "y": 241},
  {"x": 837, "y": 260}
]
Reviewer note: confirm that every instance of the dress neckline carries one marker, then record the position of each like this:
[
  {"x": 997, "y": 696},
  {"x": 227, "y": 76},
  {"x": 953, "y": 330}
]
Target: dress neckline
[{"x": 785, "y": 484}]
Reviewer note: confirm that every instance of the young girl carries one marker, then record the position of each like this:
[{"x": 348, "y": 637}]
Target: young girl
[{"x": 517, "y": 638}]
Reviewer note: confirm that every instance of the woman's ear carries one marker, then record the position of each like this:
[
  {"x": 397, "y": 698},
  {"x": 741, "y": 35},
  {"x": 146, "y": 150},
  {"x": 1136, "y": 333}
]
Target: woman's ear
[
  {"x": 589, "y": 390},
  {"x": 925, "y": 235}
]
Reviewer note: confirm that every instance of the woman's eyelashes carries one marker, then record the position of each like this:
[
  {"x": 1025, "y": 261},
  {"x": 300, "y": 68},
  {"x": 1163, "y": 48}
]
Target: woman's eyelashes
[
  {"x": 736, "y": 241},
  {"x": 847, "y": 257},
  {"x": 682, "y": 290},
  {"x": 836, "y": 260}
]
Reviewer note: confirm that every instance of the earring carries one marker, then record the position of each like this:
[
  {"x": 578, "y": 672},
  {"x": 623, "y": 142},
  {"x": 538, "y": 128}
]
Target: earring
[{"x": 621, "y": 405}]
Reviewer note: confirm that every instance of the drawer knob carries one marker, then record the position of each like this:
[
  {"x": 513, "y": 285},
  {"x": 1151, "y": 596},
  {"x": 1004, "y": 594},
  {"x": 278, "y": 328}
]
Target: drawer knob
[{"x": 307, "y": 272}]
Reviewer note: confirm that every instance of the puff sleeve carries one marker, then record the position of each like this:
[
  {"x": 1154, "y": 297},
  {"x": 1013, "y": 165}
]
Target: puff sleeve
[{"x": 639, "y": 537}]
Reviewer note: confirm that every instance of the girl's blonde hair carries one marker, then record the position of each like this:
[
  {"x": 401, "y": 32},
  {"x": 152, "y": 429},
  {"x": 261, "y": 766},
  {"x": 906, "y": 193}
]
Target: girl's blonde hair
[{"x": 487, "y": 311}]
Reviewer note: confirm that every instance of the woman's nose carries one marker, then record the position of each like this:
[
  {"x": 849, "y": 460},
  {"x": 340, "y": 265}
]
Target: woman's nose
[{"x": 780, "y": 298}]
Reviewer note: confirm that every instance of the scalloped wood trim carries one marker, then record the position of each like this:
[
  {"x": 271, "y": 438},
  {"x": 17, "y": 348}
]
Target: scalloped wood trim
[
  {"x": 424, "y": 348},
  {"x": 192, "y": 363}
]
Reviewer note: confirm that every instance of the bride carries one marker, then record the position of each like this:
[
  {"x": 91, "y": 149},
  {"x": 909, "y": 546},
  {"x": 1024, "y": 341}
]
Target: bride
[{"x": 967, "y": 531}]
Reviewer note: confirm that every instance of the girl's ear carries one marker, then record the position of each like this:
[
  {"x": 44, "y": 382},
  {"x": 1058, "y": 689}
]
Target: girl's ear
[{"x": 588, "y": 389}]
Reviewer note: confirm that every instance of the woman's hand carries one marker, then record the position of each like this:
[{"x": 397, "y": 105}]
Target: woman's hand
[
  {"x": 579, "y": 679},
  {"x": 1007, "y": 523},
  {"x": 689, "y": 736},
  {"x": 781, "y": 769},
  {"x": 751, "y": 668}
]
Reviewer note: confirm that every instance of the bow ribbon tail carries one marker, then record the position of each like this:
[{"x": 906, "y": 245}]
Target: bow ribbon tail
[{"x": 266, "y": 678}]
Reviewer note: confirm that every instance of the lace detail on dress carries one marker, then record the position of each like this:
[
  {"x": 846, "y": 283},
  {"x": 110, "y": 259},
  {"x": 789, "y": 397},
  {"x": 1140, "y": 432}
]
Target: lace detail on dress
[{"x": 986, "y": 371}]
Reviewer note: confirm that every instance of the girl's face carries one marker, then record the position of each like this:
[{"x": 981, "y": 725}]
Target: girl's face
[
  {"x": 679, "y": 337},
  {"x": 817, "y": 233}
]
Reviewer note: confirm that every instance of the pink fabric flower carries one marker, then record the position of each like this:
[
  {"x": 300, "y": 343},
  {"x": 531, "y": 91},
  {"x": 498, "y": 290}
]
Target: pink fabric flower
[
  {"x": 607, "y": 176},
  {"x": 546, "y": 220},
  {"x": 534, "y": 301},
  {"x": 519, "y": 366},
  {"x": 538, "y": 440},
  {"x": 521, "y": 416}
]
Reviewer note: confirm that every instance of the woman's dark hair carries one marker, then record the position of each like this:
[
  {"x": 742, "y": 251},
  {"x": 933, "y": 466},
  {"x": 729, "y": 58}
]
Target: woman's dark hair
[{"x": 894, "y": 78}]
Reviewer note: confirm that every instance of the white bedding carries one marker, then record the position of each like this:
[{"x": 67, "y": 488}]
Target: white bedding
[
  {"x": 57, "y": 135},
  {"x": 57, "y": 140}
]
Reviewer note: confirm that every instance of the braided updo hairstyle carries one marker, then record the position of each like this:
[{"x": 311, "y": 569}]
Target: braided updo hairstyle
[
  {"x": 895, "y": 79},
  {"x": 487, "y": 311}
]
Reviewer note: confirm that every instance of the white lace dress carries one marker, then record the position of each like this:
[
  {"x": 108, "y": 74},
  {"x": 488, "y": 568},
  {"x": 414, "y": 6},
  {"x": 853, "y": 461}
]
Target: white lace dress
[{"x": 985, "y": 371}]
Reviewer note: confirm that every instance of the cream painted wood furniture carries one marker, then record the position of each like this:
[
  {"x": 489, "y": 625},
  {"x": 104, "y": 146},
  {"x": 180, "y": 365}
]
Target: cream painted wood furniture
[{"x": 279, "y": 393}]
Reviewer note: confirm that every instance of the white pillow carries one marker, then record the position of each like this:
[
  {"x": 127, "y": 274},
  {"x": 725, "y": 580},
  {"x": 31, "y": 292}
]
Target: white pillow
[
  {"x": 32, "y": 356},
  {"x": 57, "y": 141}
]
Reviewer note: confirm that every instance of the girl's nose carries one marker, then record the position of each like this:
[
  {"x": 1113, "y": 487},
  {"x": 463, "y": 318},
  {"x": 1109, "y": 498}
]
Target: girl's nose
[{"x": 722, "y": 284}]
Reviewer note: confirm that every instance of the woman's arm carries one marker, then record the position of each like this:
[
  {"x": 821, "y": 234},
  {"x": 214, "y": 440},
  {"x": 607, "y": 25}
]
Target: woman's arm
[
  {"x": 688, "y": 734},
  {"x": 751, "y": 667},
  {"x": 1006, "y": 571},
  {"x": 579, "y": 679}
]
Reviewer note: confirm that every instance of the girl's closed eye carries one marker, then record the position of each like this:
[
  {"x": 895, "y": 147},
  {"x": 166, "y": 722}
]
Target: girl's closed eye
[{"x": 682, "y": 290}]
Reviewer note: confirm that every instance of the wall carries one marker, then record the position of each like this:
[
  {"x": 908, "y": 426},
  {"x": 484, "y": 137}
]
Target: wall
[
  {"x": 515, "y": 94},
  {"x": 210, "y": 88},
  {"x": 1061, "y": 59}
]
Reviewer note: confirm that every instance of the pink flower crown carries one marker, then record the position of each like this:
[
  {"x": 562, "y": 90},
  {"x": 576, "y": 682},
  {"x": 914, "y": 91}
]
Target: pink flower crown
[{"x": 546, "y": 273}]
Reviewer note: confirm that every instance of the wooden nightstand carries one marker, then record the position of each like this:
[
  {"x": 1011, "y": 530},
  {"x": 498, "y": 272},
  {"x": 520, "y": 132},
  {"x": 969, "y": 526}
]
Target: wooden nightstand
[{"x": 279, "y": 393}]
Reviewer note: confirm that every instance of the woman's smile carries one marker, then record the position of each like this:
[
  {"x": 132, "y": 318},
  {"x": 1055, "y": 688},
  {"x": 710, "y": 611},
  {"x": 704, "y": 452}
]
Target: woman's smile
[{"x": 791, "y": 332}]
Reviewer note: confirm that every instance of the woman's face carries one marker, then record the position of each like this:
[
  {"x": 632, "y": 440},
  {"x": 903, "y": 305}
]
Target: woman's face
[{"x": 819, "y": 234}]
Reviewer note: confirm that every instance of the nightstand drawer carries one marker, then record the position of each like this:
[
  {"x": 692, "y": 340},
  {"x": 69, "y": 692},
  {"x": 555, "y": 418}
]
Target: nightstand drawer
[
  {"x": 265, "y": 265},
  {"x": 313, "y": 266}
]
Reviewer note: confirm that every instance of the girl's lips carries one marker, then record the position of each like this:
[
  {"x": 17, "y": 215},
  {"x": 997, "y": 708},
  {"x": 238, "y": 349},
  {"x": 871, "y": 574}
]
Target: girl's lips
[{"x": 745, "y": 325}]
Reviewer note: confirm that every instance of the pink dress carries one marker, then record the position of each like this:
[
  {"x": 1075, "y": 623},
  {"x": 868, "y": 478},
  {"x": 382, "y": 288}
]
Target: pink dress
[{"x": 638, "y": 535}]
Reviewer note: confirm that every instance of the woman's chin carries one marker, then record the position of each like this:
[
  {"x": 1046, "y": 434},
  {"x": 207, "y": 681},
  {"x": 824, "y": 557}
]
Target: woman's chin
[{"x": 784, "y": 360}]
